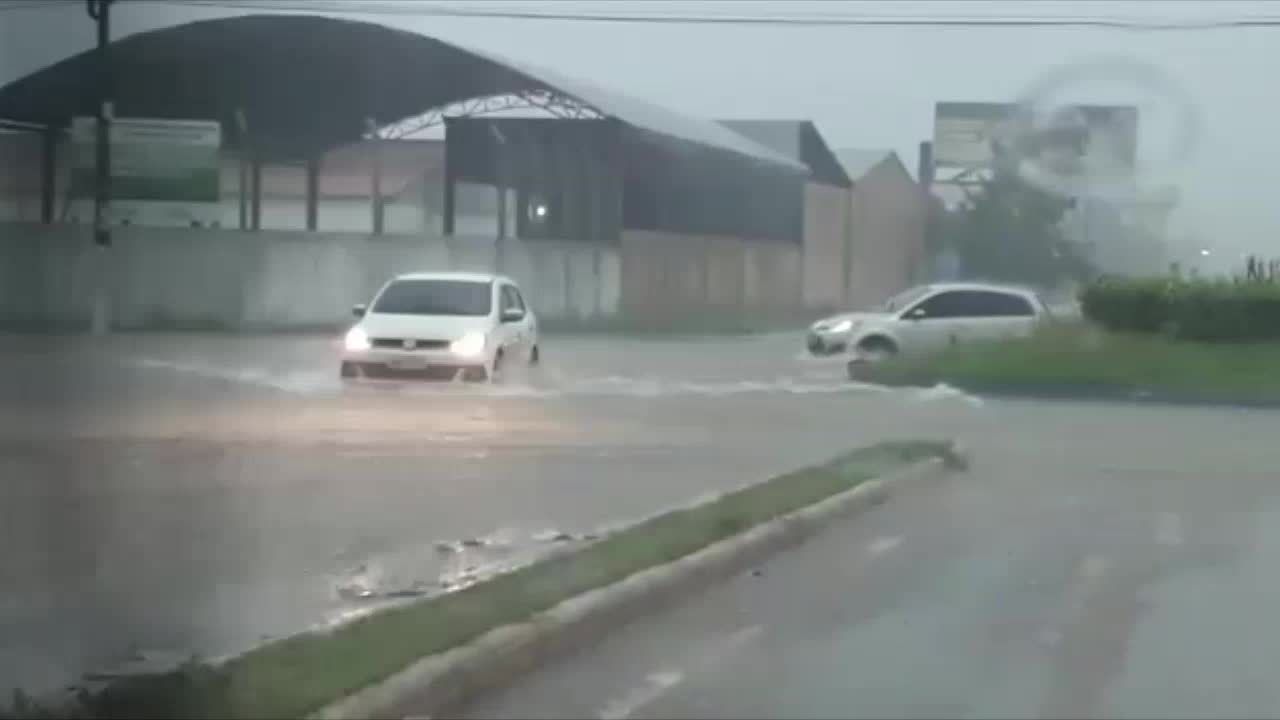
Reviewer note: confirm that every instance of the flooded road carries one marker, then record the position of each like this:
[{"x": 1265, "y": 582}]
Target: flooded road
[
  {"x": 165, "y": 495},
  {"x": 1096, "y": 561}
]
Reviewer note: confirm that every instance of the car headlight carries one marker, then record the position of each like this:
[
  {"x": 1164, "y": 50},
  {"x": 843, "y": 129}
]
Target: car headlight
[
  {"x": 357, "y": 340},
  {"x": 842, "y": 326},
  {"x": 468, "y": 345}
]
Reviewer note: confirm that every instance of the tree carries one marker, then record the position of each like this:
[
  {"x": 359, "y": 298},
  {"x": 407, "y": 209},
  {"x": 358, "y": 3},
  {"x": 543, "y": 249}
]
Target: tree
[{"x": 1009, "y": 230}]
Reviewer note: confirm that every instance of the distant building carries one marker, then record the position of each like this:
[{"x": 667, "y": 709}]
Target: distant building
[
  {"x": 864, "y": 218},
  {"x": 889, "y": 221}
]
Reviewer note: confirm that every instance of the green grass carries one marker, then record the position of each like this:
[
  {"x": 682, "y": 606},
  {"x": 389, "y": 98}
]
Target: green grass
[
  {"x": 1076, "y": 358},
  {"x": 296, "y": 676}
]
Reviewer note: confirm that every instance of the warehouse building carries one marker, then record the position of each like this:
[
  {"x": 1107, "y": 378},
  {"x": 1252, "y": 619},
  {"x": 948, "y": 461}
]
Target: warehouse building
[{"x": 611, "y": 206}]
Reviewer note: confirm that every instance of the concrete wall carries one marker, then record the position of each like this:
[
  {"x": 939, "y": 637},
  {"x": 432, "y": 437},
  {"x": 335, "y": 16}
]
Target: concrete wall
[
  {"x": 826, "y": 231},
  {"x": 410, "y": 213},
  {"x": 668, "y": 278},
  {"x": 165, "y": 278},
  {"x": 887, "y": 235}
]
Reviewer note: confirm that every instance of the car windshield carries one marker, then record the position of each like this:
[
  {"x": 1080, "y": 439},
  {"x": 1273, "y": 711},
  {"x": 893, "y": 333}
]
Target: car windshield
[
  {"x": 902, "y": 299},
  {"x": 435, "y": 297}
]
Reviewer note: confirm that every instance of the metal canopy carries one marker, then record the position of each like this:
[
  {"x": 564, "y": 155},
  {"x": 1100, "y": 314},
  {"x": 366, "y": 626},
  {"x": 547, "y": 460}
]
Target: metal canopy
[{"x": 310, "y": 83}]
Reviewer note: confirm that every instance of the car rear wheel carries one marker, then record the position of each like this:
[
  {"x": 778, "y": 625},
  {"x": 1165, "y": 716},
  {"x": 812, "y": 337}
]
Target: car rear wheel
[{"x": 534, "y": 356}]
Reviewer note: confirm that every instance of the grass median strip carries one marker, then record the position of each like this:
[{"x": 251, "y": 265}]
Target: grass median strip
[
  {"x": 298, "y": 675},
  {"x": 1078, "y": 359}
]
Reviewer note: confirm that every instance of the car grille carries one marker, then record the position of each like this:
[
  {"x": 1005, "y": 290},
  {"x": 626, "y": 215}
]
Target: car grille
[{"x": 398, "y": 344}]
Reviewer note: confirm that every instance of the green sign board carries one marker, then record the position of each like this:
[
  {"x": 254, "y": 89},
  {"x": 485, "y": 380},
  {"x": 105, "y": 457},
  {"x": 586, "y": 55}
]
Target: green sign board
[{"x": 152, "y": 160}]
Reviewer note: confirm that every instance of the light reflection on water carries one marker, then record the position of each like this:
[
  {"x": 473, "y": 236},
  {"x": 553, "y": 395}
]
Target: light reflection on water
[{"x": 820, "y": 377}]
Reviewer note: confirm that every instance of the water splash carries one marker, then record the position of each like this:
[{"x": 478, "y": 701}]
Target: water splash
[
  {"x": 301, "y": 382},
  {"x": 943, "y": 391},
  {"x": 548, "y": 386}
]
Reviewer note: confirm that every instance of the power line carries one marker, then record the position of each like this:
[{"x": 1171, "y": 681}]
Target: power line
[
  {"x": 370, "y": 8},
  {"x": 36, "y": 5}
]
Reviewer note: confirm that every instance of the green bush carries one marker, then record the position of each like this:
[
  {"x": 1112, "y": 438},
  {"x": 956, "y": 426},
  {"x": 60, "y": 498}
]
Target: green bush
[{"x": 1218, "y": 310}]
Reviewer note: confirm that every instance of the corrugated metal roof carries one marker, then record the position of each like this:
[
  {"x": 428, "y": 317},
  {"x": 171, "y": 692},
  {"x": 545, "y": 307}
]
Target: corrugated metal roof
[
  {"x": 797, "y": 139},
  {"x": 782, "y": 136},
  {"x": 645, "y": 115},
  {"x": 858, "y": 162}
]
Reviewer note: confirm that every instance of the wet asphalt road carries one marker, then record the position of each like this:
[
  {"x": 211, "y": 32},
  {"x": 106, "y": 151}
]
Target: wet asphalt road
[
  {"x": 1097, "y": 561},
  {"x": 166, "y": 495}
]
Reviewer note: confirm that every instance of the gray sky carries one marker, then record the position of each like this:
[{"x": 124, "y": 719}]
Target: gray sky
[{"x": 869, "y": 86}]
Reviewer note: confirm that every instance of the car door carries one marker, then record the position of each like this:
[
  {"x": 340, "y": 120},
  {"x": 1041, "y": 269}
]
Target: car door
[
  {"x": 934, "y": 322},
  {"x": 528, "y": 325},
  {"x": 514, "y": 333},
  {"x": 991, "y": 314},
  {"x": 1002, "y": 315}
]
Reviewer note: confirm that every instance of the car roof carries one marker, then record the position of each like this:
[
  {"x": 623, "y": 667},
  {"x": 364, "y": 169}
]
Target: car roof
[
  {"x": 999, "y": 287},
  {"x": 458, "y": 276}
]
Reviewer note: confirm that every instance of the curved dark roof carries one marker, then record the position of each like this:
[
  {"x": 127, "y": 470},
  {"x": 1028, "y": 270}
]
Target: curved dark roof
[{"x": 307, "y": 83}]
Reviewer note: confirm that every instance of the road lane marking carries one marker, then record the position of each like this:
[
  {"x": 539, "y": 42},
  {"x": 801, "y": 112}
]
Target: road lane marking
[
  {"x": 655, "y": 685},
  {"x": 1093, "y": 650},
  {"x": 1169, "y": 529},
  {"x": 882, "y": 545},
  {"x": 1088, "y": 573},
  {"x": 658, "y": 683}
]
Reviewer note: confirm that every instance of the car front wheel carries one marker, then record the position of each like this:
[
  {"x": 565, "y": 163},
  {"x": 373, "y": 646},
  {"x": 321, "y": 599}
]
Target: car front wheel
[
  {"x": 876, "y": 349},
  {"x": 534, "y": 356},
  {"x": 495, "y": 370}
]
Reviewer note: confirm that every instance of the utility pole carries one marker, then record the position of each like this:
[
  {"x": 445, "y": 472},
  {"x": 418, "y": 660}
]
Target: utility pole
[{"x": 100, "y": 12}]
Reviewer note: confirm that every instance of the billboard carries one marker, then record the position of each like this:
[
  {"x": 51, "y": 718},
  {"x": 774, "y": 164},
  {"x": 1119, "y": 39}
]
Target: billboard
[
  {"x": 976, "y": 135},
  {"x": 167, "y": 168}
]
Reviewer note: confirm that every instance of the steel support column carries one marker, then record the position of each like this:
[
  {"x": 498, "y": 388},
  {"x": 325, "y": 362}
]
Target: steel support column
[
  {"x": 375, "y": 192},
  {"x": 450, "y": 180},
  {"x": 313, "y": 193},
  {"x": 242, "y": 167},
  {"x": 255, "y": 198},
  {"x": 48, "y": 174}
]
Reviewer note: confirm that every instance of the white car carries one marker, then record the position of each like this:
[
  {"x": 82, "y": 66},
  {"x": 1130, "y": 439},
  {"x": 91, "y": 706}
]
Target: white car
[
  {"x": 928, "y": 318},
  {"x": 441, "y": 325}
]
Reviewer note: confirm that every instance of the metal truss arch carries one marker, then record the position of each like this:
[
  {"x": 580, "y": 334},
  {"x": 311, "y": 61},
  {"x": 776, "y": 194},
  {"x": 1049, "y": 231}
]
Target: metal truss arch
[{"x": 547, "y": 101}]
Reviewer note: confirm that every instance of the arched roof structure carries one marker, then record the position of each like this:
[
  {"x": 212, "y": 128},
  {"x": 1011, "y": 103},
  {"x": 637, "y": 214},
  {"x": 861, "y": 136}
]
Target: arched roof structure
[{"x": 309, "y": 83}]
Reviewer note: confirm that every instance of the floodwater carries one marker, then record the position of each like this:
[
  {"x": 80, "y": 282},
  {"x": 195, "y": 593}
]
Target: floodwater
[{"x": 171, "y": 495}]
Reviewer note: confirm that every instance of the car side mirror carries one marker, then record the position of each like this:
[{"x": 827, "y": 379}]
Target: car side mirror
[
  {"x": 916, "y": 314},
  {"x": 360, "y": 310},
  {"x": 512, "y": 315}
]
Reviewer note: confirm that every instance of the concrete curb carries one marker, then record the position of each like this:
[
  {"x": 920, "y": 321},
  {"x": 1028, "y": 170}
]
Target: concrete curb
[
  {"x": 441, "y": 682},
  {"x": 1083, "y": 393}
]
